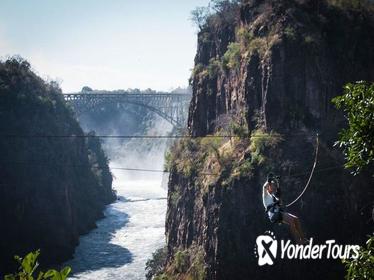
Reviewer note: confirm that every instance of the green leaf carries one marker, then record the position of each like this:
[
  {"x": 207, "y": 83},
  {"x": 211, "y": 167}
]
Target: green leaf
[
  {"x": 29, "y": 263},
  {"x": 50, "y": 274},
  {"x": 65, "y": 272},
  {"x": 40, "y": 276},
  {"x": 357, "y": 141},
  {"x": 9, "y": 277}
]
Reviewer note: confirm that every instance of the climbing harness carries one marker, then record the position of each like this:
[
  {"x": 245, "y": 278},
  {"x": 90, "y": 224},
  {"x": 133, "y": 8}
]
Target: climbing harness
[
  {"x": 310, "y": 176},
  {"x": 274, "y": 211}
]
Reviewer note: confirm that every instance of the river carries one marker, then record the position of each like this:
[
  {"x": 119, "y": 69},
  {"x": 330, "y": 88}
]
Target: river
[{"x": 134, "y": 226}]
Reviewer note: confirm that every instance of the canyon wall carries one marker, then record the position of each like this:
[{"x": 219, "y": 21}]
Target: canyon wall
[
  {"x": 52, "y": 187},
  {"x": 267, "y": 74}
]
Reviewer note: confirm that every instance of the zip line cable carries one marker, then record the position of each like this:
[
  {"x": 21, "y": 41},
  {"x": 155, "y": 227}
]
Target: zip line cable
[
  {"x": 142, "y": 136},
  {"x": 310, "y": 176},
  {"x": 161, "y": 171},
  {"x": 39, "y": 163},
  {"x": 317, "y": 170},
  {"x": 33, "y": 163},
  {"x": 164, "y": 171}
]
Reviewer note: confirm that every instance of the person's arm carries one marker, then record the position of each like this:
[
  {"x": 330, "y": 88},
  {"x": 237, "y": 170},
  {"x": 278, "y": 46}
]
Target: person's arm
[
  {"x": 278, "y": 194},
  {"x": 264, "y": 193}
]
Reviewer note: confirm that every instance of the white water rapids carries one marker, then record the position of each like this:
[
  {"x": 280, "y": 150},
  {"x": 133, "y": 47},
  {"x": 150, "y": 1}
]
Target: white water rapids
[{"x": 134, "y": 226}]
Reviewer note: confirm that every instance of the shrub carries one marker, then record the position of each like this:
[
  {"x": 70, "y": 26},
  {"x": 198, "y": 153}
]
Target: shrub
[
  {"x": 239, "y": 129},
  {"x": 186, "y": 157},
  {"x": 155, "y": 265},
  {"x": 186, "y": 264},
  {"x": 231, "y": 58},
  {"x": 174, "y": 197},
  {"x": 357, "y": 102},
  {"x": 258, "y": 45},
  {"x": 363, "y": 267},
  {"x": 181, "y": 261},
  {"x": 309, "y": 39},
  {"x": 261, "y": 141},
  {"x": 211, "y": 145},
  {"x": 190, "y": 155},
  {"x": 197, "y": 269},
  {"x": 250, "y": 44},
  {"x": 244, "y": 36},
  {"x": 168, "y": 161},
  {"x": 200, "y": 71},
  {"x": 223, "y": 12},
  {"x": 162, "y": 276},
  {"x": 290, "y": 33},
  {"x": 197, "y": 69},
  {"x": 28, "y": 267},
  {"x": 214, "y": 67},
  {"x": 245, "y": 168}
]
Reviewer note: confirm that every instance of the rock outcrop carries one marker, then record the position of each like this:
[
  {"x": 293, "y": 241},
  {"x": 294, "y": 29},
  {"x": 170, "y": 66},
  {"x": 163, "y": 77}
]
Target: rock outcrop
[
  {"x": 272, "y": 72},
  {"x": 52, "y": 188}
]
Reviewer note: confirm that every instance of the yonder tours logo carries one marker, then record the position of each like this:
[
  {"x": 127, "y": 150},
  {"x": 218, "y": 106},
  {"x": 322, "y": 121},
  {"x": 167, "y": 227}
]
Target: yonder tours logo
[{"x": 267, "y": 248}]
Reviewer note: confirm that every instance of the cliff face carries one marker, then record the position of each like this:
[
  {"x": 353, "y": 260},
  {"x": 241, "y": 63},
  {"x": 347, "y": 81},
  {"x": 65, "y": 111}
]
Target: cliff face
[
  {"x": 51, "y": 189},
  {"x": 295, "y": 55},
  {"x": 274, "y": 69}
]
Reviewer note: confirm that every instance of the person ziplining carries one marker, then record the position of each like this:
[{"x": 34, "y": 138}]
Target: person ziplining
[
  {"x": 271, "y": 198},
  {"x": 273, "y": 206}
]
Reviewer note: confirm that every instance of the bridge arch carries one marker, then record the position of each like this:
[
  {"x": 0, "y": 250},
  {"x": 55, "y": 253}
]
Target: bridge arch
[{"x": 170, "y": 106}]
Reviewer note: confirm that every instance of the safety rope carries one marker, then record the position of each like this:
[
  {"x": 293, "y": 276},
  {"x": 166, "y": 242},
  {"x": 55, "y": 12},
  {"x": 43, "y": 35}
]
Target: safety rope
[{"x": 310, "y": 176}]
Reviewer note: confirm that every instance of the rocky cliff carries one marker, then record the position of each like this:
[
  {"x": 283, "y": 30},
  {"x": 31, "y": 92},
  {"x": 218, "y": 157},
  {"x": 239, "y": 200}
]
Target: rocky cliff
[
  {"x": 266, "y": 75},
  {"x": 52, "y": 189}
]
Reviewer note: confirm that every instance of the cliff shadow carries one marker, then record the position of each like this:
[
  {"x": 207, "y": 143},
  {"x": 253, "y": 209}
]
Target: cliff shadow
[{"x": 97, "y": 250}]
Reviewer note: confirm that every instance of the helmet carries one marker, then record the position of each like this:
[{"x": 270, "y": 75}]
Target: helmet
[{"x": 270, "y": 177}]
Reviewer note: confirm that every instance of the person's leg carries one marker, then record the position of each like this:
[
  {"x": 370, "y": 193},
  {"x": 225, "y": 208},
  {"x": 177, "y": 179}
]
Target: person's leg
[
  {"x": 298, "y": 228},
  {"x": 287, "y": 219},
  {"x": 295, "y": 227}
]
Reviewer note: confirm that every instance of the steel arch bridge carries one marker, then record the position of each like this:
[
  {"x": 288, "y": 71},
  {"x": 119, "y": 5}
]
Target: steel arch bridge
[{"x": 173, "y": 107}]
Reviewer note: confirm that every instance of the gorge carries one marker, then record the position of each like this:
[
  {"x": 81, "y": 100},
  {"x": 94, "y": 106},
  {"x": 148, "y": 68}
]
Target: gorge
[
  {"x": 100, "y": 179},
  {"x": 265, "y": 73},
  {"x": 53, "y": 189},
  {"x": 55, "y": 171}
]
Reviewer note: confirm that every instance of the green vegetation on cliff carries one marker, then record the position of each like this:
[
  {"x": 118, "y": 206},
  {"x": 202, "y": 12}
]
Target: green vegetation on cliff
[
  {"x": 155, "y": 265},
  {"x": 231, "y": 152},
  {"x": 186, "y": 264},
  {"x": 357, "y": 102},
  {"x": 217, "y": 12},
  {"x": 270, "y": 71},
  {"x": 52, "y": 189}
]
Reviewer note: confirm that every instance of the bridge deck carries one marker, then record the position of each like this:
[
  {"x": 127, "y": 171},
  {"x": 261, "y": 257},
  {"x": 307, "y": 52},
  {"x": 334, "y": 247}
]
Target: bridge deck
[
  {"x": 170, "y": 106},
  {"x": 70, "y": 96}
]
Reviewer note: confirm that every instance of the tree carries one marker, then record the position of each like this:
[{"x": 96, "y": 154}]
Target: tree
[
  {"x": 155, "y": 265},
  {"x": 357, "y": 140},
  {"x": 227, "y": 10},
  {"x": 362, "y": 267},
  {"x": 218, "y": 11},
  {"x": 199, "y": 16},
  {"x": 222, "y": 6}
]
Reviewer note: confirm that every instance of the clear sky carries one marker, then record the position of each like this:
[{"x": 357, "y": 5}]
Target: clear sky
[{"x": 104, "y": 44}]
